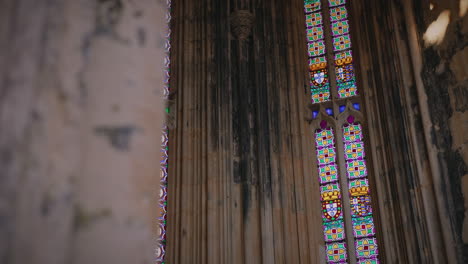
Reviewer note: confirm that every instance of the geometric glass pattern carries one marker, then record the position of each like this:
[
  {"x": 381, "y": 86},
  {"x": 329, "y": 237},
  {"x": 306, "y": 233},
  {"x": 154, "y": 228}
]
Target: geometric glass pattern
[
  {"x": 328, "y": 173},
  {"x": 160, "y": 253},
  {"x": 341, "y": 42},
  {"x": 346, "y": 84},
  {"x": 336, "y": 252},
  {"x": 368, "y": 261},
  {"x": 354, "y": 150},
  {"x": 363, "y": 226},
  {"x": 334, "y": 231},
  {"x": 366, "y": 248},
  {"x": 352, "y": 132},
  {"x": 347, "y": 89},
  {"x": 319, "y": 83},
  {"x": 330, "y": 193},
  {"x": 356, "y": 169},
  {"x": 315, "y": 33},
  {"x": 338, "y": 13},
  {"x": 360, "y": 199},
  {"x": 326, "y": 155},
  {"x": 316, "y": 48},
  {"x": 320, "y": 94}
]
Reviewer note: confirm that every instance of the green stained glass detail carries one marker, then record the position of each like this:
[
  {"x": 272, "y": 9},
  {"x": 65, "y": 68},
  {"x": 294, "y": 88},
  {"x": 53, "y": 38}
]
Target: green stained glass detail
[
  {"x": 333, "y": 3},
  {"x": 316, "y": 48},
  {"x": 311, "y": 5},
  {"x": 363, "y": 226},
  {"x": 314, "y": 19},
  {"x": 321, "y": 94},
  {"x": 338, "y": 13},
  {"x": 334, "y": 231},
  {"x": 347, "y": 89},
  {"x": 356, "y": 169},
  {"x": 344, "y": 57},
  {"x": 336, "y": 252},
  {"x": 328, "y": 173},
  {"x": 314, "y": 33},
  {"x": 352, "y": 132},
  {"x": 368, "y": 261},
  {"x": 354, "y": 150},
  {"x": 330, "y": 190},
  {"x": 324, "y": 137},
  {"x": 341, "y": 42},
  {"x": 326, "y": 155},
  {"x": 358, "y": 187},
  {"x": 366, "y": 248},
  {"x": 340, "y": 27},
  {"x": 317, "y": 63}
]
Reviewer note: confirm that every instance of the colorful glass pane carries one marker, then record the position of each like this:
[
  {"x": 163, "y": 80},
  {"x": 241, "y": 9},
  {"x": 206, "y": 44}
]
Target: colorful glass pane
[
  {"x": 317, "y": 63},
  {"x": 363, "y": 226},
  {"x": 338, "y": 13},
  {"x": 344, "y": 73},
  {"x": 316, "y": 48},
  {"x": 314, "y": 19},
  {"x": 319, "y": 78},
  {"x": 352, "y": 132},
  {"x": 358, "y": 187},
  {"x": 347, "y": 89},
  {"x": 344, "y": 57},
  {"x": 356, "y": 169},
  {"x": 324, "y": 137},
  {"x": 311, "y": 5},
  {"x": 330, "y": 191},
  {"x": 368, "y": 261},
  {"x": 336, "y": 2},
  {"x": 354, "y": 150},
  {"x": 361, "y": 205},
  {"x": 336, "y": 252},
  {"x": 341, "y": 42},
  {"x": 340, "y": 27},
  {"x": 320, "y": 94},
  {"x": 366, "y": 248},
  {"x": 334, "y": 231},
  {"x": 331, "y": 210},
  {"x": 314, "y": 33},
  {"x": 328, "y": 173},
  {"x": 326, "y": 155}
]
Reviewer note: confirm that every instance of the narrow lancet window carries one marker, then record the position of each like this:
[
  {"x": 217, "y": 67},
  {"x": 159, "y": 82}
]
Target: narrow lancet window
[{"x": 348, "y": 222}]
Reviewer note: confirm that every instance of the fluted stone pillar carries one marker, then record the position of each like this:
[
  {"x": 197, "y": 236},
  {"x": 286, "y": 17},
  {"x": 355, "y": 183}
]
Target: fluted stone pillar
[
  {"x": 80, "y": 117},
  {"x": 239, "y": 169}
]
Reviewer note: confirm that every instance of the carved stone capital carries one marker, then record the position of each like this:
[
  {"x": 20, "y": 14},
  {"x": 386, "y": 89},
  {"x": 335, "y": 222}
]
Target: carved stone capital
[{"x": 241, "y": 23}]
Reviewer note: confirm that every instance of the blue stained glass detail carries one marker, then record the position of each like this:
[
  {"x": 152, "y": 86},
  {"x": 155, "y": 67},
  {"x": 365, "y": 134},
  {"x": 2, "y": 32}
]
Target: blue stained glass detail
[
  {"x": 314, "y": 114},
  {"x": 342, "y": 108},
  {"x": 329, "y": 111},
  {"x": 357, "y": 106}
]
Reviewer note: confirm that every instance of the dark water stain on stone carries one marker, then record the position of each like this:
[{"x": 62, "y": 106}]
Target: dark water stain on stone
[{"x": 118, "y": 136}]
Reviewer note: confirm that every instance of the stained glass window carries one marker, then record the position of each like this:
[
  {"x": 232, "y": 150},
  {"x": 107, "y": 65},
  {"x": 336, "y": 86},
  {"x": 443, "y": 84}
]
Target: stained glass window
[
  {"x": 342, "y": 171},
  {"x": 161, "y": 239},
  {"x": 332, "y": 216},
  {"x": 319, "y": 83}
]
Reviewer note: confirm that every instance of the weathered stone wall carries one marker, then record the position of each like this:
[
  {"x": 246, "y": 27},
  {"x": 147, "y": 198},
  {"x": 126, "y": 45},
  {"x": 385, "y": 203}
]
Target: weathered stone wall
[
  {"x": 80, "y": 119},
  {"x": 443, "y": 38}
]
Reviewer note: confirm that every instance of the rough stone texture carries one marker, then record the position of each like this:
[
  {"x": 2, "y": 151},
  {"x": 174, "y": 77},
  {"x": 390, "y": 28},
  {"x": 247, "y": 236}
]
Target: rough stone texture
[{"x": 80, "y": 115}]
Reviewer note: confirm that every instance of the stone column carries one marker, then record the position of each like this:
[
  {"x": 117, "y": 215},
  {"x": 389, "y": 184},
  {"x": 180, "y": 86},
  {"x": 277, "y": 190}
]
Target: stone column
[{"x": 80, "y": 116}]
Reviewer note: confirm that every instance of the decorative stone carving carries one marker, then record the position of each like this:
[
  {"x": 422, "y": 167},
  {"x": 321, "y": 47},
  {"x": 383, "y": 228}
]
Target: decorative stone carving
[{"x": 241, "y": 23}]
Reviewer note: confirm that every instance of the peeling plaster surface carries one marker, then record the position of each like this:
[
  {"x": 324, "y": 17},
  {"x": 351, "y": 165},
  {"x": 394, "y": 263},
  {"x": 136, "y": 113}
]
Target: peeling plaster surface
[{"x": 435, "y": 33}]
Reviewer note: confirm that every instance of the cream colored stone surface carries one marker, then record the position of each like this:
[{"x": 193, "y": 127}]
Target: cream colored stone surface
[{"x": 81, "y": 117}]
